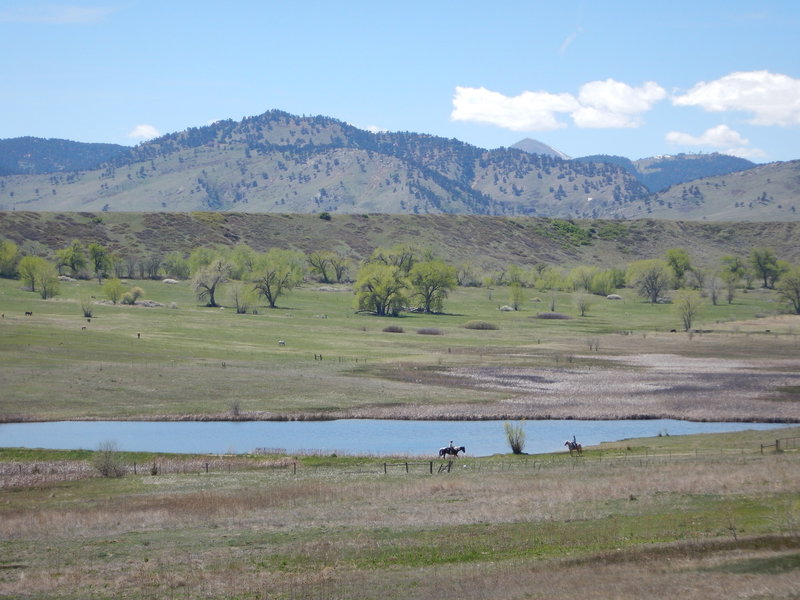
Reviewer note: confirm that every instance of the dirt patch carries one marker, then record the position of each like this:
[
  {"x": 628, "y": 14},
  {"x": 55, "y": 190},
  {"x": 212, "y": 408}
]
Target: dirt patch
[{"x": 633, "y": 386}]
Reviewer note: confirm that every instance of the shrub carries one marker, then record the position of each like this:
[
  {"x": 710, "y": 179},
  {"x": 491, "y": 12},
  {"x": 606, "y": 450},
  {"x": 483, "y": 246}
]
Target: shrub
[
  {"x": 127, "y": 298},
  {"x": 393, "y": 329},
  {"x": 515, "y": 435},
  {"x": 430, "y": 331},
  {"x": 552, "y": 315},
  {"x": 480, "y": 325},
  {"x": 106, "y": 460}
]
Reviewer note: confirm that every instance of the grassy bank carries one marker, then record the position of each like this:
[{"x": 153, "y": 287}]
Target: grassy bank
[{"x": 615, "y": 523}]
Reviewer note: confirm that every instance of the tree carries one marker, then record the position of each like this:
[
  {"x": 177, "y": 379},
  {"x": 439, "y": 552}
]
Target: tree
[
  {"x": 649, "y": 277},
  {"x": 99, "y": 258},
  {"x": 107, "y": 461},
  {"x": 278, "y": 271},
  {"x": 206, "y": 281},
  {"x": 582, "y": 303},
  {"x": 687, "y": 305},
  {"x": 340, "y": 263},
  {"x": 381, "y": 289},
  {"x": 788, "y": 287},
  {"x": 9, "y": 257},
  {"x": 320, "y": 263},
  {"x": 764, "y": 263},
  {"x": 242, "y": 297},
  {"x": 113, "y": 289},
  {"x": 72, "y": 257},
  {"x": 581, "y": 277},
  {"x": 680, "y": 263},
  {"x": 431, "y": 281},
  {"x": 28, "y": 268},
  {"x": 201, "y": 257},
  {"x": 47, "y": 281},
  {"x": 516, "y": 295},
  {"x": 399, "y": 256},
  {"x": 175, "y": 265},
  {"x": 515, "y": 436},
  {"x": 244, "y": 259}
]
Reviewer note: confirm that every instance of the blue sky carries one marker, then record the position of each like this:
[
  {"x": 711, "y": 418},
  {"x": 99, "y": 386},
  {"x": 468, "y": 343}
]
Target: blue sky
[{"x": 630, "y": 78}]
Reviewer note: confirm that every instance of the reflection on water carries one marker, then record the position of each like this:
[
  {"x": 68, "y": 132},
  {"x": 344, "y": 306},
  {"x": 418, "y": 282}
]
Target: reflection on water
[{"x": 355, "y": 436}]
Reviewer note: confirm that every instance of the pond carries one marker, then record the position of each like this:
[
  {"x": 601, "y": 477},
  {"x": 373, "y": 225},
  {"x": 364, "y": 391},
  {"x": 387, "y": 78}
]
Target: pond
[{"x": 346, "y": 436}]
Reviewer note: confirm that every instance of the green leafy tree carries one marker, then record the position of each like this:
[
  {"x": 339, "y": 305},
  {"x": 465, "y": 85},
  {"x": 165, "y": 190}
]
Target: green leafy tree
[
  {"x": 381, "y": 289},
  {"x": 202, "y": 257},
  {"x": 209, "y": 278},
  {"x": 680, "y": 263},
  {"x": 581, "y": 277},
  {"x": 764, "y": 264},
  {"x": 650, "y": 277},
  {"x": 687, "y": 305},
  {"x": 28, "y": 268},
  {"x": 516, "y": 295},
  {"x": 243, "y": 259},
  {"x": 113, "y": 289},
  {"x": 278, "y": 272},
  {"x": 242, "y": 297},
  {"x": 47, "y": 281},
  {"x": 340, "y": 263},
  {"x": 99, "y": 260},
  {"x": 175, "y": 265},
  {"x": 431, "y": 281},
  {"x": 72, "y": 257},
  {"x": 9, "y": 258},
  {"x": 788, "y": 287}
]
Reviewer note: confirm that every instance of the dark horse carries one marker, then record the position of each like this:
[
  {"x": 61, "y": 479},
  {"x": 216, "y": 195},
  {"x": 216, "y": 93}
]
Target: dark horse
[
  {"x": 452, "y": 451},
  {"x": 574, "y": 447}
]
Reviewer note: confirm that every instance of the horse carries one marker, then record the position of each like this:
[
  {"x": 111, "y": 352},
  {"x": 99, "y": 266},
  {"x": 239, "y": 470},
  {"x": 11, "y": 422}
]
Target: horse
[
  {"x": 450, "y": 450},
  {"x": 574, "y": 447}
]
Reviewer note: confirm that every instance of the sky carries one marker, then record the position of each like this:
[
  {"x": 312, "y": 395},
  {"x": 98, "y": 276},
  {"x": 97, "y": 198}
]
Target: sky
[{"x": 634, "y": 79}]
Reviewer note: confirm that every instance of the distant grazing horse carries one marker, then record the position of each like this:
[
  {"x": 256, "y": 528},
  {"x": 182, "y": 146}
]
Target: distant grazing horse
[
  {"x": 453, "y": 451},
  {"x": 574, "y": 447}
]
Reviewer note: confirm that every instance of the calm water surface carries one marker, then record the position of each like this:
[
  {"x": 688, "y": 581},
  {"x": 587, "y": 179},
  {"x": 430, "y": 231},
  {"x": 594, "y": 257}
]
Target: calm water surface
[{"x": 359, "y": 436}]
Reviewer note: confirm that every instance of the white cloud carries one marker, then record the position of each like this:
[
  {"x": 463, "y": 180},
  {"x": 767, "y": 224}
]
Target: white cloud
[
  {"x": 606, "y": 103},
  {"x": 720, "y": 137},
  {"x": 530, "y": 111},
  {"x": 614, "y": 104},
  {"x": 772, "y": 98},
  {"x": 144, "y": 132},
  {"x": 53, "y": 14}
]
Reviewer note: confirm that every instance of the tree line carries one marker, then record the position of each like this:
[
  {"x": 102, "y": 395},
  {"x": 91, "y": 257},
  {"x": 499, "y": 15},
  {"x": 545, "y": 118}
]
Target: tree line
[{"x": 397, "y": 279}]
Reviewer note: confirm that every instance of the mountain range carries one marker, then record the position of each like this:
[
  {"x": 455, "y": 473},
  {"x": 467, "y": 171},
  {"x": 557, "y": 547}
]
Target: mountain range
[{"x": 283, "y": 163}]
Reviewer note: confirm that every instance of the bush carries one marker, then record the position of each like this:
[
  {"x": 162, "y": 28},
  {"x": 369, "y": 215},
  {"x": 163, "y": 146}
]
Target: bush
[
  {"x": 483, "y": 325},
  {"x": 552, "y": 315},
  {"x": 393, "y": 329},
  {"x": 430, "y": 331},
  {"x": 515, "y": 435},
  {"x": 106, "y": 460}
]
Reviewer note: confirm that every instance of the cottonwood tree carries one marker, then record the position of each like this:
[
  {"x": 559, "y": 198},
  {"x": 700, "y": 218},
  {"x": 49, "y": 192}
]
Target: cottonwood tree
[
  {"x": 381, "y": 289},
  {"x": 788, "y": 287},
  {"x": 9, "y": 258},
  {"x": 28, "y": 268},
  {"x": 99, "y": 258},
  {"x": 277, "y": 272},
  {"x": 241, "y": 296},
  {"x": 581, "y": 277},
  {"x": 320, "y": 264},
  {"x": 72, "y": 257},
  {"x": 401, "y": 256},
  {"x": 340, "y": 263},
  {"x": 175, "y": 265},
  {"x": 765, "y": 264},
  {"x": 649, "y": 277},
  {"x": 431, "y": 281},
  {"x": 209, "y": 278},
  {"x": 516, "y": 295},
  {"x": 680, "y": 263},
  {"x": 687, "y": 305}
]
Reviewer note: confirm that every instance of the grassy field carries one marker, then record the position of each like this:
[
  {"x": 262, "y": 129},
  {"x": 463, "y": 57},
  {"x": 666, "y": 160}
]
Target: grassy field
[
  {"x": 700, "y": 516},
  {"x": 620, "y": 522},
  {"x": 182, "y": 360}
]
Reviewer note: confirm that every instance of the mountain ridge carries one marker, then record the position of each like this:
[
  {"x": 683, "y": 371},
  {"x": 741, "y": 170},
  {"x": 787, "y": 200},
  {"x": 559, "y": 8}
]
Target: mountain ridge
[{"x": 279, "y": 162}]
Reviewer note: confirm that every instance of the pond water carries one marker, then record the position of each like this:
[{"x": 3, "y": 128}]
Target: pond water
[{"x": 356, "y": 436}]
